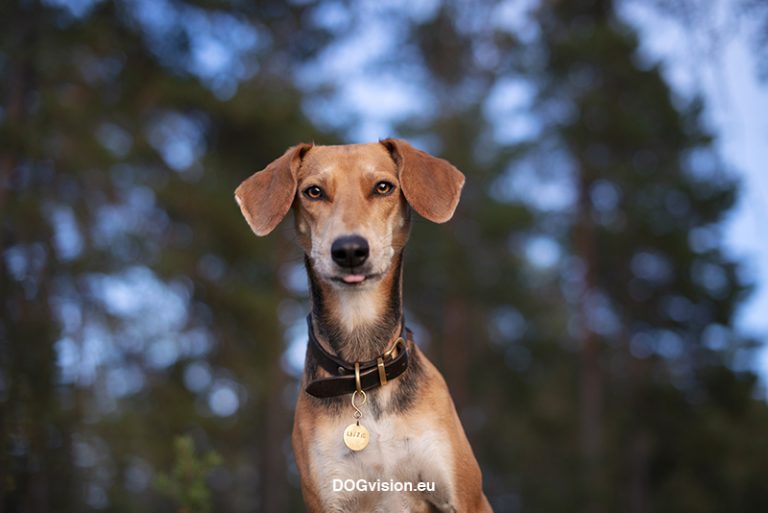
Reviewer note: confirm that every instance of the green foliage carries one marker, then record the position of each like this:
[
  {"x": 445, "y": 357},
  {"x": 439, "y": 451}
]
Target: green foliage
[
  {"x": 136, "y": 303},
  {"x": 186, "y": 483}
]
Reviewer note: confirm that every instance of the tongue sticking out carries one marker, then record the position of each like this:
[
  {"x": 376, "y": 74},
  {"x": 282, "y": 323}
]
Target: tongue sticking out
[{"x": 353, "y": 278}]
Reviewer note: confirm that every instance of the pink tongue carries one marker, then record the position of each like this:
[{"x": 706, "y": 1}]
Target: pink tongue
[{"x": 353, "y": 278}]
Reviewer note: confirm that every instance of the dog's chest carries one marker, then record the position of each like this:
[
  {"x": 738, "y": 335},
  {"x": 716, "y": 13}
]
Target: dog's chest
[{"x": 407, "y": 451}]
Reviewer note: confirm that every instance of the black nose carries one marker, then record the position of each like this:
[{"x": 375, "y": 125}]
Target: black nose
[{"x": 350, "y": 251}]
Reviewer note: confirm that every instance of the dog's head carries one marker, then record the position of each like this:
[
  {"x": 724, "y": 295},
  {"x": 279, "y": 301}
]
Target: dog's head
[{"x": 351, "y": 203}]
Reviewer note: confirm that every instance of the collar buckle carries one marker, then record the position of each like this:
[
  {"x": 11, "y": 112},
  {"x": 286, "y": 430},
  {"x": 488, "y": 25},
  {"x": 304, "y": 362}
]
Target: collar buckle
[{"x": 358, "y": 376}]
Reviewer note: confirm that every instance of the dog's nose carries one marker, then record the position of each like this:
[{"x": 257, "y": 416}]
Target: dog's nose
[{"x": 350, "y": 251}]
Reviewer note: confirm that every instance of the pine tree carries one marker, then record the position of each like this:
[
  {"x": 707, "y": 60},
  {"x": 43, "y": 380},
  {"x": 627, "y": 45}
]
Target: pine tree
[
  {"x": 654, "y": 298},
  {"x": 119, "y": 156},
  {"x": 584, "y": 374}
]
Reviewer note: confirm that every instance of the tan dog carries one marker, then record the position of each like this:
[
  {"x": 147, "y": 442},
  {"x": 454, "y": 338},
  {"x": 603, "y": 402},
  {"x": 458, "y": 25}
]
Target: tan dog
[{"x": 352, "y": 214}]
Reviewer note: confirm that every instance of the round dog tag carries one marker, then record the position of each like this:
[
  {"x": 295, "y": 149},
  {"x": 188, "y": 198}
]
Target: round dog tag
[{"x": 356, "y": 437}]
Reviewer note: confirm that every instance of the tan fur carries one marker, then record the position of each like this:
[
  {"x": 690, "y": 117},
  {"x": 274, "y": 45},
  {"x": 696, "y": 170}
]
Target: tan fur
[
  {"x": 437, "y": 450},
  {"x": 426, "y": 442},
  {"x": 431, "y": 185},
  {"x": 265, "y": 197}
]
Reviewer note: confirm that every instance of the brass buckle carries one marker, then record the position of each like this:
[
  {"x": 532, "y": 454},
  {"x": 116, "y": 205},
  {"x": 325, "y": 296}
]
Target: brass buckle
[
  {"x": 392, "y": 349},
  {"x": 382, "y": 372},
  {"x": 357, "y": 378},
  {"x": 388, "y": 354}
]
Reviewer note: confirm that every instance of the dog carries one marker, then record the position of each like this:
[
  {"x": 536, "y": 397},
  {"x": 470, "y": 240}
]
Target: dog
[{"x": 374, "y": 414}]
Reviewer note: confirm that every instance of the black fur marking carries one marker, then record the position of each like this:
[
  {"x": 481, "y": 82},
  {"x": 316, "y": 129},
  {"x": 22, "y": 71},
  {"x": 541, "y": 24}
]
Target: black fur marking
[
  {"x": 368, "y": 341},
  {"x": 408, "y": 386},
  {"x": 405, "y": 386}
]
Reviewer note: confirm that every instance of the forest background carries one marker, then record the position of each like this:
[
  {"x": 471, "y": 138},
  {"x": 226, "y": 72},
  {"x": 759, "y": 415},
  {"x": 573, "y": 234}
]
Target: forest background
[{"x": 600, "y": 335}]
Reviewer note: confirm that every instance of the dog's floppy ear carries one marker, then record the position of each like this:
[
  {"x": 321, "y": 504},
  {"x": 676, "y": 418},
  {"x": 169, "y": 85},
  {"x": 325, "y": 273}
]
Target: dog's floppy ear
[
  {"x": 431, "y": 185},
  {"x": 266, "y": 196}
]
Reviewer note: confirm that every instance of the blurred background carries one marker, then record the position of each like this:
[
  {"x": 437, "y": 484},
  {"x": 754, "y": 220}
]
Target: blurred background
[{"x": 597, "y": 305}]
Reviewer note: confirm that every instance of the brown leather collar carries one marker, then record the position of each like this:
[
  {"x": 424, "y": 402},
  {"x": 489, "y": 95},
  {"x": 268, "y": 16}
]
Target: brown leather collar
[{"x": 373, "y": 373}]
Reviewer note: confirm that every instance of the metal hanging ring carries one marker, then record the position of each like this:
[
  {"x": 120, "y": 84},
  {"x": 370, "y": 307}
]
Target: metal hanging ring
[{"x": 358, "y": 413}]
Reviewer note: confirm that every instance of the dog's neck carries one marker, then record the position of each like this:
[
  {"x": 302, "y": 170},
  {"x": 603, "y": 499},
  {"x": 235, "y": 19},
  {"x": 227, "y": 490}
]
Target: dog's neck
[{"x": 358, "y": 324}]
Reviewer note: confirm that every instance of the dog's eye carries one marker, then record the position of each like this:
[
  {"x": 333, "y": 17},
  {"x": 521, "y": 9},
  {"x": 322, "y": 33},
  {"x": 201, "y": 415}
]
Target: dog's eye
[
  {"x": 313, "y": 192},
  {"x": 384, "y": 188}
]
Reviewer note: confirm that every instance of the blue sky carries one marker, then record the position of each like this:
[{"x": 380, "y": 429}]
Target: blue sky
[{"x": 714, "y": 59}]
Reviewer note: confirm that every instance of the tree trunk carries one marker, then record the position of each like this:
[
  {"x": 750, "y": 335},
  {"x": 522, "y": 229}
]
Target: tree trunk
[
  {"x": 591, "y": 378},
  {"x": 277, "y": 432},
  {"x": 455, "y": 351},
  {"x": 278, "y": 428}
]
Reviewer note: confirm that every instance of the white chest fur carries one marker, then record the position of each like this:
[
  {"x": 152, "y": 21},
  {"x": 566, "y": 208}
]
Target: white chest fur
[{"x": 398, "y": 452}]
